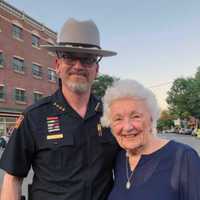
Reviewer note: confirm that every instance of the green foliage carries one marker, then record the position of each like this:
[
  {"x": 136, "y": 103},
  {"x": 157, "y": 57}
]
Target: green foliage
[
  {"x": 101, "y": 83},
  {"x": 163, "y": 124},
  {"x": 166, "y": 120},
  {"x": 184, "y": 97}
]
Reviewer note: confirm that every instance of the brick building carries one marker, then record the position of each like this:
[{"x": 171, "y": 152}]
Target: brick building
[{"x": 26, "y": 70}]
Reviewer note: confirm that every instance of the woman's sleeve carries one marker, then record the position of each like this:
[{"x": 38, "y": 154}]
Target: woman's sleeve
[{"x": 190, "y": 176}]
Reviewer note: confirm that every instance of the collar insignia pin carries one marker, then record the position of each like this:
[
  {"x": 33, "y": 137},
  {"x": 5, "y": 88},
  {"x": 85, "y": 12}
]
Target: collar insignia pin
[{"x": 99, "y": 129}]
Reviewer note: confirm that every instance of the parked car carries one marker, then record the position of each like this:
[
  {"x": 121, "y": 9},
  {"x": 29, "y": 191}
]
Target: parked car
[
  {"x": 186, "y": 131},
  {"x": 172, "y": 130}
]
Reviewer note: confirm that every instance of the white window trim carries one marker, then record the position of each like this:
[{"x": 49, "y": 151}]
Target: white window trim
[
  {"x": 16, "y": 23},
  {"x": 17, "y": 88},
  {"x": 38, "y": 64},
  {"x": 52, "y": 69},
  {"x": 37, "y": 92},
  {"x": 35, "y": 33},
  {"x": 18, "y": 57}
]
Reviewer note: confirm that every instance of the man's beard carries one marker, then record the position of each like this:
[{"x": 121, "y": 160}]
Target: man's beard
[{"x": 79, "y": 88}]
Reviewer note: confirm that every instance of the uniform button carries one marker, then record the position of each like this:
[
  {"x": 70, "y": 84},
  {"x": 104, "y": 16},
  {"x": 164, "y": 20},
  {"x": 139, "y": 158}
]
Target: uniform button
[{"x": 55, "y": 142}]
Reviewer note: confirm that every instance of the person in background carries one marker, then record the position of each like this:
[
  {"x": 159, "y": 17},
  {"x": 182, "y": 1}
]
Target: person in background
[
  {"x": 60, "y": 137},
  {"x": 3, "y": 142},
  {"x": 147, "y": 167}
]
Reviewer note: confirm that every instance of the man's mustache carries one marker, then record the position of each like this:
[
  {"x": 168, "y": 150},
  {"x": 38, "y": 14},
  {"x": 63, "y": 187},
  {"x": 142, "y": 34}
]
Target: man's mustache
[{"x": 78, "y": 72}]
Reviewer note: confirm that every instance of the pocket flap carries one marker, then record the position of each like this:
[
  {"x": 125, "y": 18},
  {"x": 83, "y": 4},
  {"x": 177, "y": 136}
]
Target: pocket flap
[{"x": 55, "y": 140}]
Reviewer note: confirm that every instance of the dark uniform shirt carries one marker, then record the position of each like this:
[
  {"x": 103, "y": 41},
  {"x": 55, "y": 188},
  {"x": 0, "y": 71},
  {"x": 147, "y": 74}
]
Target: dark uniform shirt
[{"x": 72, "y": 157}]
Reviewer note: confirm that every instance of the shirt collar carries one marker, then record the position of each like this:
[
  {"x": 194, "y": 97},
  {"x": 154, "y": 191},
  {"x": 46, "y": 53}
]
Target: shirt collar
[{"x": 61, "y": 105}]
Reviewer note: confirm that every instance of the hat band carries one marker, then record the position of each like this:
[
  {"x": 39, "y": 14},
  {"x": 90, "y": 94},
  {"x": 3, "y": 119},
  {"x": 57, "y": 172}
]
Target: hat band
[{"x": 70, "y": 44}]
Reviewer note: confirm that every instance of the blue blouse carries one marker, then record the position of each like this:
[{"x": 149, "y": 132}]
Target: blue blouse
[{"x": 170, "y": 173}]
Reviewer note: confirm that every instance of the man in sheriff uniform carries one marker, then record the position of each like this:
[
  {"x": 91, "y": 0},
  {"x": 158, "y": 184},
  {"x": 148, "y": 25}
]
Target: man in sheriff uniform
[{"x": 60, "y": 137}]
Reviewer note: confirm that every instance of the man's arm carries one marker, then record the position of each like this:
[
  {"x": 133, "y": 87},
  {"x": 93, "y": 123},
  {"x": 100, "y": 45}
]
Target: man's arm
[{"x": 11, "y": 187}]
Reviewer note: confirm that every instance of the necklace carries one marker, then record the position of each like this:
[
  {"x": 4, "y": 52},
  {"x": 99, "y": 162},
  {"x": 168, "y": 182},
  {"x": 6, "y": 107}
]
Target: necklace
[{"x": 128, "y": 177}]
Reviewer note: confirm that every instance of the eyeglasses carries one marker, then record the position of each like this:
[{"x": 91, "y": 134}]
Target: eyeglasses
[{"x": 86, "y": 60}]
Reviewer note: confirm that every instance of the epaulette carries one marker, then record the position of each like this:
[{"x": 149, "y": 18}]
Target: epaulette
[
  {"x": 99, "y": 105},
  {"x": 42, "y": 102}
]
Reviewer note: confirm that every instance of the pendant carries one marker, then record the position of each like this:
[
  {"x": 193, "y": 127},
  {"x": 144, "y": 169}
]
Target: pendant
[{"x": 128, "y": 185}]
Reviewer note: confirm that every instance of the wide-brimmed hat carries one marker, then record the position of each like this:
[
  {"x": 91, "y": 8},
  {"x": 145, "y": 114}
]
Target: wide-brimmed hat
[{"x": 79, "y": 37}]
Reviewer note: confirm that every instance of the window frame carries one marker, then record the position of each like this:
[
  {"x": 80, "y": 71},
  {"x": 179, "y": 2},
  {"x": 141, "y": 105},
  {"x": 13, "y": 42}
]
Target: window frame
[
  {"x": 37, "y": 93},
  {"x": 21, "y": 100},
  {"x": 17, "y": 31},
  {"x": 3, "y": 92},
  {"x": 34, "y": 72},
  {"x": 50, "y": 75},
  {"x": 16, "y": 67},
  {"x": 35, "y": 43},
  {"x": 2, "y": 60}
]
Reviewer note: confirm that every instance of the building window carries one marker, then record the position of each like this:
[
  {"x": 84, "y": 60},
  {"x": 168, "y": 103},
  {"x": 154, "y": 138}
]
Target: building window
[
  {"x": 18, "y": 64},
  {"x": 37, "y": 96},
  {"x": 35, "y": 41},
  {"x": 20, "y": 95},
  {"x": 52, "y": 75},
  {"x": 1, "y": 59},
  {"x": 16, "y": 31},
  {"x": 2, "y": 92},
  {"x": 6, "y": 125},
  {"x": 36, "y": 70}
]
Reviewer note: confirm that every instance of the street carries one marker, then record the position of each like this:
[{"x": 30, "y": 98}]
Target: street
[{"x": 192, "y": 141}]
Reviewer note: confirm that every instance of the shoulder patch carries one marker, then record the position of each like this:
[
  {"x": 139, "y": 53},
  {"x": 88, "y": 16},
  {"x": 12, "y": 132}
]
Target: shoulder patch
[{"x": 19, "y": 121}]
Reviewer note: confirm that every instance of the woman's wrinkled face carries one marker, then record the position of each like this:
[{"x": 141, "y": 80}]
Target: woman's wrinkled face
[{"x": 131, "y": 123}]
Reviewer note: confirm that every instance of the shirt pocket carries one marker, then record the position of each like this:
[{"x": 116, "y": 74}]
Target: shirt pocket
[{"x": 56, "y": 153}]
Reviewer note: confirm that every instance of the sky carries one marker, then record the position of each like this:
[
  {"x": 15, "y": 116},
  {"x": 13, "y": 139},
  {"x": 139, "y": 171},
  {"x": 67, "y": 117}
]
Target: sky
[{"x": 157, "y": 41}]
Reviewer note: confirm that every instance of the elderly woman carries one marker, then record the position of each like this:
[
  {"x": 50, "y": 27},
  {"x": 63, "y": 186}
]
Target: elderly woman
[{"x": 147, "y": 167}]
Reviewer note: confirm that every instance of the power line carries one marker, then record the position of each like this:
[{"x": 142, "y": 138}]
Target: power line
[{"x": 161, "y": 84}]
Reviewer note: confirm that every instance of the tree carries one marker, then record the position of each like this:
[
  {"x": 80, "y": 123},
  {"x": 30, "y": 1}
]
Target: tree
[
  {"x": 166, "y": 121},
  {"x": 101, "y": 83},
  {"x": 195, "y": 101},
  {"x": 184, "y": 97},
  {"x": 180, "y": 97},
  {"x": 166, "y": 115}
]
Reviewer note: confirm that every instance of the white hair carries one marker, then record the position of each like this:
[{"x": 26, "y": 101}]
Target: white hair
[{"x": 129, "y": 88}]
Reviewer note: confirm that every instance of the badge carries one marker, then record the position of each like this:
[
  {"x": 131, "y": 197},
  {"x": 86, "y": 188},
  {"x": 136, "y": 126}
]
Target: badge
[
  {"x": 53, "y": 126},
  {"x": 55, "y": 136}
]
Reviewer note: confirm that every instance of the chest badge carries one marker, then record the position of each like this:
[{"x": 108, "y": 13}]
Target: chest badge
[{"x": 53, "y": 126}]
